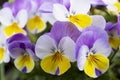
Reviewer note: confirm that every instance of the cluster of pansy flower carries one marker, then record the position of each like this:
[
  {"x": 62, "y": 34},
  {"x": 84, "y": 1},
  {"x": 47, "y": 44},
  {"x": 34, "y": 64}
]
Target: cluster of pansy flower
[{"x": 75, "y": 36}]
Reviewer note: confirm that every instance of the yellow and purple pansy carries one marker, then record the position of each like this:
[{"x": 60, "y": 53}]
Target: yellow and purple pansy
[
  {"x": 56, "y": 49},
  {"x": 22, "y": 50},
  {"x": 92, "y": 50},
  {"x": 77, "y": 13}
]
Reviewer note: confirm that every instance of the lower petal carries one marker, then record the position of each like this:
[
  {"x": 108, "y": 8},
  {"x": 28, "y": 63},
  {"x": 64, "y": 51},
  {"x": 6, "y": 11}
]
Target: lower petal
[
  {"x": 35, "y": 25},
  {"x": 96, "y": 65},
  {"x": 81, "y": 20},
  {"x": 55, "y": 64},
  {"x": 114, "y": 42},
  {"x": 13, "y": 29},
  {"x": 24, "y": 63}
]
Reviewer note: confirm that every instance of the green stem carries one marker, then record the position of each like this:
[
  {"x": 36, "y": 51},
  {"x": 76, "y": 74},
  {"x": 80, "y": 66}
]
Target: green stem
[{"x": 2, "y": 74}]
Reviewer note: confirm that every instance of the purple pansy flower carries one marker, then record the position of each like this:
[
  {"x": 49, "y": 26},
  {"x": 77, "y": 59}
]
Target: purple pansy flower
[{"x": 23, "y": 51}]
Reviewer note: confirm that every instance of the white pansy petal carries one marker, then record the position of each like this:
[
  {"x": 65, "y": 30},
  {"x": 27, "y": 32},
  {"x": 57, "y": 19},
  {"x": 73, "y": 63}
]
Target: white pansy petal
[
  {"x": 79, "y": 6},
  {"x": 6, "y": 16},
  {"x": 82, "y": 56},
  {"x": 48, "y": 17},
  {"x": 102, "y": 46},
  {"x": 22, "y": 18},
  {"x": 60, "y": 12},
  {"x": 45, "y": 45},
  {"x": 98, "y": 21},
  {"x": 67, "y": 46},
  {"x": 110, "y": 1},
  {"x": 112, "y": 7},
  {"x": 7, "y": 57}
]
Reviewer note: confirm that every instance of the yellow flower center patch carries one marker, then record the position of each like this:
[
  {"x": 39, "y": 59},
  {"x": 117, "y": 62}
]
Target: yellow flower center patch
[
  {"x": 114, "y": 42},
  {"x": 56, "y": 64},
  {"x": 24, "y": 63},
  {"x": 2, "y": 53},
  {"x": 117, "y": 5},
  {"x": 96, "y": 61},
  {"x": 13, "y": 29},
  {"x": 81, "y": 20},
  {"x": 35, "y": 24}
]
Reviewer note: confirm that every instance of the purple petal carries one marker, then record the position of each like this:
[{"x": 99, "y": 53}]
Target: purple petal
[
  {"x": 98, "y": 32},
  {"x": 86, "y": 38},
  {"x": 62, "y": 29},
  {"x": 109, "y": 26},
  {"x": 21, "y": 4},
  {"x": 18, "y": 37},
  {"x": 18, "y": 48},
  {"x": 118, "y": 25}
]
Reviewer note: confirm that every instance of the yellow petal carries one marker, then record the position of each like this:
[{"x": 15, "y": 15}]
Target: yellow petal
[
  {"x": 2, "y": 53},
  {"x": 114, "y": 42},
  {"x": 96, "y": 62},
  {"x": 13, "y": 29},
  {"x": 35, "y": 24},
  {"x": 24, "y": 63},
  {"x": 56, "y": 64},
  {"x": 117, "y": 4},
  {"x": 81, "y": 20}
]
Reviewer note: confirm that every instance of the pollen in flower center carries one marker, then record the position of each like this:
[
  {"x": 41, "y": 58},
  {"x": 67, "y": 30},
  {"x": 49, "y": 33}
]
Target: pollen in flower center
[{"x": 57, "y": 57}]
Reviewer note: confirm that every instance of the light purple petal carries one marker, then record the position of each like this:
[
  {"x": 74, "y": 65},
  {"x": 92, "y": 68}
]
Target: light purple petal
[
  {"x": 86, "y": 38},
  {"x": 118, "y": 25},
  {"x": 62, "y": 29},
  {"x": 18, "y": 48},
  {"x": 18, "y": 37},
  {"x": 99, "y": 33}
]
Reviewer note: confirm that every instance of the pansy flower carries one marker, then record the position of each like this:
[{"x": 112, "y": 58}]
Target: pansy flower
[
  {"x": 113, "y": 31},
  {"x": 4, "y": 53},
  {"x": 77, "y": 13},
  {"x": 113, "y": 5},
  {"x": 56, "y": 49},
  {"x": 22, "y": 50},
  {"x": 35, "y": 22},
  {"x": 92, "y": 50},
  {"x": 10, "y": 24}
]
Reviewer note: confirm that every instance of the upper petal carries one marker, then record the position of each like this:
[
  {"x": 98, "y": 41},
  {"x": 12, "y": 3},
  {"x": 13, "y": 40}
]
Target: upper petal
[
  {"x": 67, "y": 47},
  {"x": 79, "y": 6},
  {"x": 62, "y": 29},
  {"x": 60, "y": 12},
  {"x": 98, "y": 21},
  {"x": 102, "y": 46},
  {"x": 45, "y": 45},
  {"x": 6, "y": 16},
  {"x": 22, "y": 18}
]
